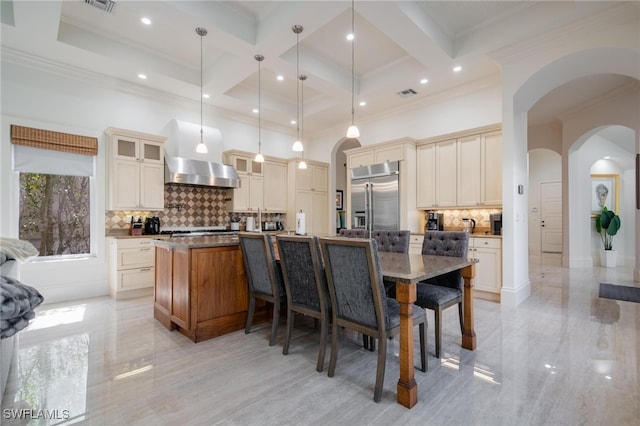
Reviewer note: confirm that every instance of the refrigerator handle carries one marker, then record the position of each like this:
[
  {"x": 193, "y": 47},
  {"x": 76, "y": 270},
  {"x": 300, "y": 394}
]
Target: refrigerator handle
[{"x": 370, "y": 211}]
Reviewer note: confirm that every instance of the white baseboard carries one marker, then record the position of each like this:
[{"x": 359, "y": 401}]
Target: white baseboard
[{"x": 512, "y": 297}]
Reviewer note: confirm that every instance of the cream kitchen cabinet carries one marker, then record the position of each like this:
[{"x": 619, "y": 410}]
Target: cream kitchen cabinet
[
  {"x": 488, "y": 278},
  {"x": 249, "y": 197},
  {"x": 131, "y": 266},
  {"x": 364, "y": 156},
  {"x": 274, "y": 197},
  {"x": 480, "y": 170},
  {"x": 436, "y": 172},
  {"x": 313, "y": 178},
  {"x": 309, "y": 189},
  {"x": 136, "y": 170},
  {"x": 491, "y": 171},
  {"x": 463, "y": 171}
]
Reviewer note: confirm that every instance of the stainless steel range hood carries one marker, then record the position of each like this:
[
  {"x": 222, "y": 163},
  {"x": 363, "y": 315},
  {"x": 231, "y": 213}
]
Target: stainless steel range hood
[{"x": 197, "y": 172}]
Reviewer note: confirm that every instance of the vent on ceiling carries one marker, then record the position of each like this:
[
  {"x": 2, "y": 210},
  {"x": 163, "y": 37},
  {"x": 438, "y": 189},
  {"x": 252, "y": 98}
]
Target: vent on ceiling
[
  {"x": 106, "y": 5},
  {"x": 407, "y": 93}
]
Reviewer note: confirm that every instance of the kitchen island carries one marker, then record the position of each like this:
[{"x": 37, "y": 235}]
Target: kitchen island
[{"x": 200, "y": 286}]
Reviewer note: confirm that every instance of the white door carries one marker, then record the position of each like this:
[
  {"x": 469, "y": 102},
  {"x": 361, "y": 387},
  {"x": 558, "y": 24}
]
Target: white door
[{"x": 551, "y": 217}]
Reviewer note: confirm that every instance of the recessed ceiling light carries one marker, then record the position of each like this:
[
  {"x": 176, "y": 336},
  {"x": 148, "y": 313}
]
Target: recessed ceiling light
[
  {"x": 350, "y": 36},
  {"x": 142, "y": 76},
  {"x": 363, "y": 103},
  {"x": 146, "y": 21},
  {"x": 206, "y": 95},
  {"x": 457, "y": 68},
  {"x": 280, "y": 77},
  {"x": 293, "y": 121},
  {"x": 607, "y": 157},
  {"x": 424, "y": 81},
  {"x": 255, "y": 110}
]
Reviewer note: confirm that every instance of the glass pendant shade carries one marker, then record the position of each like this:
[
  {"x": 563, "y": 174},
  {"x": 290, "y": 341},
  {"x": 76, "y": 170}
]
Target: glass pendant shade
[
  {"x": 201, "y": 148},
  {"x": 302, "y": 164},
  {"x": 297, "y": 146},
  {"x": 353, "y": 132},
  {"x": 259, "y": 158}
]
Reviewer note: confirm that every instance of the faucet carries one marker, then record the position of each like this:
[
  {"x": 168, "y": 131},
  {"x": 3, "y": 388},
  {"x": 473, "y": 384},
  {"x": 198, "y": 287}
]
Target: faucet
[{"x": 259, "y": 224}]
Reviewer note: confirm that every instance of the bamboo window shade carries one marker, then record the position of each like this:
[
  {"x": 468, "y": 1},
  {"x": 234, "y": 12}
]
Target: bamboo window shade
[{"x": 55, "y": 141}]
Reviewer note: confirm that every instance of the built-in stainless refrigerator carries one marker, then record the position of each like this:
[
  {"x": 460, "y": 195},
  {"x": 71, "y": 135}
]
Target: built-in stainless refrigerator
[{"x": 375, "y": 202}]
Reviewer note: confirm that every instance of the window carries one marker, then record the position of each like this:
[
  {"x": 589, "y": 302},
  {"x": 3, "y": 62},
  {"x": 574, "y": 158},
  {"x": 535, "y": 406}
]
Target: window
[
  {"x": 55, "y": 174},
  {"x": 55, "y": 213}
]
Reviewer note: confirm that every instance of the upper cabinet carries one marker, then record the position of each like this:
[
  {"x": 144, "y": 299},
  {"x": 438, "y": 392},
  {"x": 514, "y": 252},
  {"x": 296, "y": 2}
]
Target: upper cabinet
[
  {"x": 274, "y": 197},
  {"x": 255, "y": 181},
  {"x": 381, "y": 153},
  {"x": 136, "y": 170},
  {"x": 465, "y": 171}
]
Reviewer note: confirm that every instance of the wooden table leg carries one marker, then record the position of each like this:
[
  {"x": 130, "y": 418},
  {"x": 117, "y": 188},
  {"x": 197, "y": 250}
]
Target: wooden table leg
[
  {"x": 469, "y": 332},
  {"x": 407, "y": 388}
]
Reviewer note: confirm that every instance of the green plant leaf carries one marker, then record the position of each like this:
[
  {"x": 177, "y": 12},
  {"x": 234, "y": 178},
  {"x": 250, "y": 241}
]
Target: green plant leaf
[{"x": 614, "y": 225}]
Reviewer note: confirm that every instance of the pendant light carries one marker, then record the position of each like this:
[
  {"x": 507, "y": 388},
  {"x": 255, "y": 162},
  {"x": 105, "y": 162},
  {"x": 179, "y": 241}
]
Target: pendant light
[
  {"x": 302, "y": 164},
  {"x": 353, "y": 131},
  {"x": 259, "y": 158},
  {"x": 297, "y": 145},
  {"x": 201, "y": 148}
]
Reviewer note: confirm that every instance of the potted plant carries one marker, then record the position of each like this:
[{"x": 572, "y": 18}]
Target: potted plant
[{"x": 607, "y": 225}]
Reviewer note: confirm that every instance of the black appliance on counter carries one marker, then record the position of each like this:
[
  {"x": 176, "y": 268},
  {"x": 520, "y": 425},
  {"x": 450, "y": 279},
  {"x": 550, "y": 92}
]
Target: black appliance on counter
[
  {"x": 435, "y": 222},
  {"x": 152, "y": 226},
  {"x": 495, "y": 219}
]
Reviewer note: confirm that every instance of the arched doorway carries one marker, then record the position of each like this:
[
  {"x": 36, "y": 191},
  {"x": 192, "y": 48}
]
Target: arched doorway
[
  {"x": 521, "y": 90},
  {"x": 340, "y": 170}
]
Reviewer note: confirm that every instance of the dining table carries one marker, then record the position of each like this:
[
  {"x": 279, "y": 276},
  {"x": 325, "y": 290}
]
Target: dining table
[{"x": 407, "y": 269}]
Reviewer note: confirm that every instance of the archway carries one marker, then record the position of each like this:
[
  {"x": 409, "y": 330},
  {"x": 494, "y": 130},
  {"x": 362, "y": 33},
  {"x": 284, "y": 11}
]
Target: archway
[
  {"x": 521, "y": 91},
  {"x": 340, "y": 175}
]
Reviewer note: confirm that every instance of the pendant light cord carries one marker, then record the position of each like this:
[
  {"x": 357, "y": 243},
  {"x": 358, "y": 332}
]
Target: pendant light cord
[
  {"x": 201, "y": 131},
  {"x": 353, "y": 111},
  {"x": 297, "y": 85},
  {"x": 302, "y": 79},
  {"x": 259, "y": 108}
]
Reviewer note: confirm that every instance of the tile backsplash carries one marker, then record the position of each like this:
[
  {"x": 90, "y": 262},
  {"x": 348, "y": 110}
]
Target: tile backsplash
[
  {"x": 184, "y": 206},
  {"x": 453, "y": 218}
]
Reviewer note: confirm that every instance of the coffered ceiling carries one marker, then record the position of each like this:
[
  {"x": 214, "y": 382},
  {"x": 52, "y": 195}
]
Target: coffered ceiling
[{"x": 397, "y": 44}]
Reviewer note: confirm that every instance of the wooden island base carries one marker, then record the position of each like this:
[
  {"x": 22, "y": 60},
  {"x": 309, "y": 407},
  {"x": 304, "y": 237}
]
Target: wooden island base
[{"x": 202, "y": 291}]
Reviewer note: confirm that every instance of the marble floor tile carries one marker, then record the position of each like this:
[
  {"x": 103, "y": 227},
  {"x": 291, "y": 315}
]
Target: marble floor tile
[{"x": 563, "y": 357}]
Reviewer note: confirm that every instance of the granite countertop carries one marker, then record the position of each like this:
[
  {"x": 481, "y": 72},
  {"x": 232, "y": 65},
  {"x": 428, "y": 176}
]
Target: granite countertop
[
  {"x": 475, "y": 234},
  {"x": 201, "y": 241}
]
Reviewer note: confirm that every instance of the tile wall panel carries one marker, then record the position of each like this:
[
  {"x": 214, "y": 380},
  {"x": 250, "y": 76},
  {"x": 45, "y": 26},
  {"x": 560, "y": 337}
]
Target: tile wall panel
[{"x": 184, "y": 206}]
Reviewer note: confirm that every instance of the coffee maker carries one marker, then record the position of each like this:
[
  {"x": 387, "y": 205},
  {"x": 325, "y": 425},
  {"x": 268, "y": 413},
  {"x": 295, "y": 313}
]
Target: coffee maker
[
  {"x": 495, "y": 219},
  {"x": 435, "y": 221}
]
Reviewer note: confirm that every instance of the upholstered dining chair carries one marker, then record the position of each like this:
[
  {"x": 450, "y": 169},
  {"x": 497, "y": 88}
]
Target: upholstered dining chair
[
  {"x": 392, "y": 241},
  {"x": 305, "y": 284},
  {"x": 353, "y": 233},
  {"x": 359, "y": 302},
  {"x": 446, "y": 290},
  {"x": 263, "y": 275}
]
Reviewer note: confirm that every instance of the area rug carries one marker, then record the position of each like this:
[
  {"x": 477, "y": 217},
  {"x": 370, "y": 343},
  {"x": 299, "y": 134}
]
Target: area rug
[{"x": 620, "y": 292}]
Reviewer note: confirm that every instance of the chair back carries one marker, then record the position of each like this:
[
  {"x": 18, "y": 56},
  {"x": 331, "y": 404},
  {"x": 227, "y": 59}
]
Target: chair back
[
  {"x": 354, "y": 279},
  {"x": 447, "y": 243},
  {"x": 303, "y": 272},
  {"x": 262, "y": 272},
  {"x": 393, "y": 241},
  {"x": 353, "y": 233}
]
